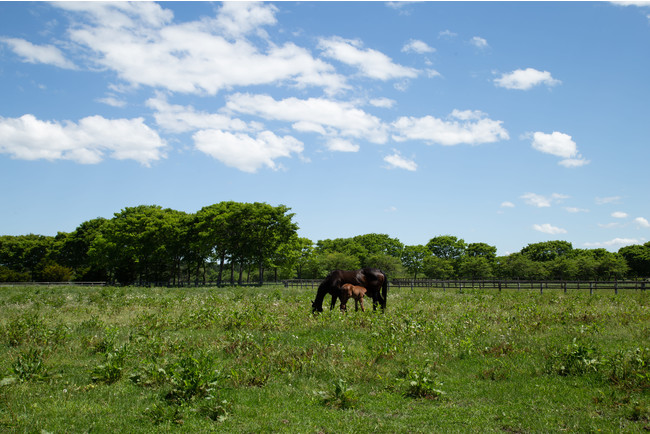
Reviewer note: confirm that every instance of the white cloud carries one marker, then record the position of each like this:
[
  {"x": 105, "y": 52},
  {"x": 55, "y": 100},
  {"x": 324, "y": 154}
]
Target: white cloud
[
  {"x": 539, "y": 201},
  {"x": 524, "y": 79},
  {"x": 140, "y": 44},
  {"x": 507, "y": 204},
  {"x": 180, "y": 119},
  {"x": 575, "y": 210},
  {"x": 396, "y": 161},
  {"x": 382, "y": 102},
  {"x": 370, "y": 63},
  {"x": 574, "y": 162},
  {"x": 560, "y": 145},
  {"x": 417, "y": 46},
  {"x": 547, "y": 228},
  {"x": 638, "y": 3},
  {"x": 342, "y": 145},
  {"x": 31, "y": 53},
  {"x": 478, "y": 42},
  {"x": 324, "y": 116},
  {"x": 447, "y": 34},
  {"x": 642, "y": 222},
  {"x": 87, "y": 141},
  {"x": 606, "y": 200},
  {"x": 619, "y": 215},
  {"x": 239, "y": 18},
  {"x": 471, "y": 127},
  {"x": 244, "y": 152},
  {"x": 616, "y": 242},
  {"x": 112, "y": 101}
]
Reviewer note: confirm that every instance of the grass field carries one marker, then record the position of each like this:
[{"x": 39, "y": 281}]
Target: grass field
[{"x": 95, "y": 359}]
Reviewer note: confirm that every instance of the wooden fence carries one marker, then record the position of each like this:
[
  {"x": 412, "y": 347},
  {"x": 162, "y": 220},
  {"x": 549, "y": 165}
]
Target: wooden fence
[
  {"x": 52, "y": 283},
  {"x": 538, "y": 285}
]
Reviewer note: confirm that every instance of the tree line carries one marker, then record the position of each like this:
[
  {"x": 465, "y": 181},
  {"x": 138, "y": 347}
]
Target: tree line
[{"x": 233, "y": 242}]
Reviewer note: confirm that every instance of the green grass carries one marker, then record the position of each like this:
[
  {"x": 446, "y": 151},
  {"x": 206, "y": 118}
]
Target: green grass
[{"x": 256, "y": 360}]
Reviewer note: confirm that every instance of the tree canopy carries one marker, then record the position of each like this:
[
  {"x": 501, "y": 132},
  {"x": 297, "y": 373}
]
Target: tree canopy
[{"x": 233, "y": 241}]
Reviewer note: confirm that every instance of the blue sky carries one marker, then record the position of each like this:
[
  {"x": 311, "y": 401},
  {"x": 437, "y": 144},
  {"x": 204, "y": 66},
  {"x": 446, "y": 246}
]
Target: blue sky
[{"x": 506, "y": 123}]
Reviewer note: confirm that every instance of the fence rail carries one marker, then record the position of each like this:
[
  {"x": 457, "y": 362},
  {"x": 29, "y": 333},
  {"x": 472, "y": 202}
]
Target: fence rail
[
  {"x": 52, "y": 283},
  {"x": 540, "y": 285}
]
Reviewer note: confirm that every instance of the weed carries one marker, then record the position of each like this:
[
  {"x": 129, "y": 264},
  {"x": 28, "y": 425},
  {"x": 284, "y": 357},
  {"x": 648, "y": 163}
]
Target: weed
[
  {"x": 26, "y": 328},
  {"x": 29, "y": 365},
  {"x": 422, "y": 383},
  {"x": 149, "y": 376},
  {"x": 106, "y": 343},
  {"x": 111, "y": 370},
  {"x": 160, "y": 413},
  {"x": 629, "y": 369},
  {"x": 215, "y": 409},
  {"x": 191, "y": 377},
  {"x": 343, "y": 397},
  {"x": 576, "y": 358}
]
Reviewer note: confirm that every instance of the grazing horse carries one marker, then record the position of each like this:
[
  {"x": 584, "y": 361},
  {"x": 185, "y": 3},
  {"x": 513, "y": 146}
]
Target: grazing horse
[
  {"x": 374, "y": 280},
  {"x": 349, "y": 291}
]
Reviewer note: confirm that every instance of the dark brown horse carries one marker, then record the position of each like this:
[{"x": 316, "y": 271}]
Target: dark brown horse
[{"x": 373, "y": 279}]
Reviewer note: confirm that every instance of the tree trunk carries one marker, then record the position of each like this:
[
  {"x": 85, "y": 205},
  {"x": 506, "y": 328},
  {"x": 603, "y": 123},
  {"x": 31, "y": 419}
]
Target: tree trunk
[{"x": 221, "y": 261}]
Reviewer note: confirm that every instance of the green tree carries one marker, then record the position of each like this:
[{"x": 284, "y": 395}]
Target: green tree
[
  {"x": 520, "y": 267},
  {"x": 612, "y": 265},
  {"x": 447, "y": 247},
  {"x": 562, "y": 268},
  {"x": 547, "y": 250},
  {"x": 338, "y": 261},
  {"x": 438, "y": 268},
  {"x": 475, "y": 267},
  {"x": 481, "y": 250},
  {"x": 74, "y": 249},
  {"x": 305, "y": 248},
  {"x": 413, "y": 259},
  {"x": 638, "y": 259},
  {"x": 386, "y": 263}
]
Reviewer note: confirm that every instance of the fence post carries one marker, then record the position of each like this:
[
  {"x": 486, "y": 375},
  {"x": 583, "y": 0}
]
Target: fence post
[
  {"x": 591, "y": 288},
  {"x": 565, "y": 287},
  {"x": 616, "y": 287},
  {"x": 541, "y": 288}
]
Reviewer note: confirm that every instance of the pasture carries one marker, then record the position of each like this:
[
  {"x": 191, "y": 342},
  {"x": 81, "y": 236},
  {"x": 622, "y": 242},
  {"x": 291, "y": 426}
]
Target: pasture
[{"x": 108, "y": 359}]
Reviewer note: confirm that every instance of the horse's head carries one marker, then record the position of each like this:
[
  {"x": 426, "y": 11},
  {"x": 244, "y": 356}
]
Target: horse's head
[{"x": 315, "y": 307}]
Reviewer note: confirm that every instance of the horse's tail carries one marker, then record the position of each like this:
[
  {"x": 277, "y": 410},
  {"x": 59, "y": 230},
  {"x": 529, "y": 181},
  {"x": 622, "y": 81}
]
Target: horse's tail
[{"x": 384, "y": 291}]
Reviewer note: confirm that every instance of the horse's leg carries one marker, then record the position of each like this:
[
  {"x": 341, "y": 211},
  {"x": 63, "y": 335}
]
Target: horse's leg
[
  {"x": 333, "y": 303},
  {"x": 374, "y": 296},
  {"x": 363, "y": 309},
  {"x": 344, "y": 303}
]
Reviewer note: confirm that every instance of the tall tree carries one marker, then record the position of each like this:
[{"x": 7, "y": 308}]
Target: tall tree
[
  {"x": 482, "y": 250},
  {"x": 638, "y": 259},
  {"x": 547, "y": 250},
  {"x": 447, "y": 247},
  {"x": 413, "y": 258}
]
